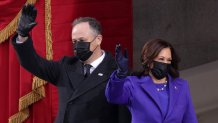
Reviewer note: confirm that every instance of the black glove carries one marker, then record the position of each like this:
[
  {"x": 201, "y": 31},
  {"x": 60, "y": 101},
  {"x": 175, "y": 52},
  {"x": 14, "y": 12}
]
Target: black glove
[
  {"x": 122, "y": 62},
  {"x": 26, "y": 20}
]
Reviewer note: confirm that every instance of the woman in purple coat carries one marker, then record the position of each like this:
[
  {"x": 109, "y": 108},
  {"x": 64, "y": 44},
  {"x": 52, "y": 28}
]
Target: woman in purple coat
[{"x": 156, "y": 94}]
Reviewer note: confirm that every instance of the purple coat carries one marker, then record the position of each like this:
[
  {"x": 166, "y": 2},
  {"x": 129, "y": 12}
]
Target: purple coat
[{"x": 140, "y": 96}]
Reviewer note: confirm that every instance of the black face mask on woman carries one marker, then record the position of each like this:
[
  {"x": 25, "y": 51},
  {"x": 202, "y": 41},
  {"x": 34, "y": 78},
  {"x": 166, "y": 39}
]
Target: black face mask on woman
[
  {"x": 160, "y": 70},
  {"x": 82, "y": 49}
]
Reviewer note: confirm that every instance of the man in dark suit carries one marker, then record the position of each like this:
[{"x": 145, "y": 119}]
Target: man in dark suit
[{"x": 81, "y": 79}]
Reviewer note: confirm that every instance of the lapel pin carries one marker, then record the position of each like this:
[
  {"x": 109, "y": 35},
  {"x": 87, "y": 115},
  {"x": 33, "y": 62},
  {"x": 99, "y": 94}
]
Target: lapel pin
[
  {"x": 100, "y": 74},
  {"x": 175, "y": 87}
]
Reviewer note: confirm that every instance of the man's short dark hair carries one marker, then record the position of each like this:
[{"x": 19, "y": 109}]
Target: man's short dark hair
[{"x": 94, "y": 24}]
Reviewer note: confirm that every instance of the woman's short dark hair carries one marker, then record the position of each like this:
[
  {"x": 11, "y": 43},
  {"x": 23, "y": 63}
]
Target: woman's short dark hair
[
  {"x": 93, "y": 23},
  {"x": 150, "y": 51}
]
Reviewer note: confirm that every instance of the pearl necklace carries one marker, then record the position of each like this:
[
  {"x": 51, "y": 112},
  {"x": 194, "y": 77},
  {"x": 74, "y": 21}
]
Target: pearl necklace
[{"x": 163, "y": 88}]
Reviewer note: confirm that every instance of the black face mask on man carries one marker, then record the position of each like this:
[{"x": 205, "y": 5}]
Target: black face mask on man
[
  {"x": 82, "y": 49},
  {"x": 160, "y": 70}
]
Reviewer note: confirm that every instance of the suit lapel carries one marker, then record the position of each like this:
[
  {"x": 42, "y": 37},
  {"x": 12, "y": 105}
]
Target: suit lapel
[
  {"x": 150, "y": 89},
  {"x": 99, "y": 75},
  {"x": 75, "y": 73},
  {"x": 174, "y": 92}
]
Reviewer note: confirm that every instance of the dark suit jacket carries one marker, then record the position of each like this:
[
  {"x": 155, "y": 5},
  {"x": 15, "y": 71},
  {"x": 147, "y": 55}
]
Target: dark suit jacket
[{"x": 80, "y": 100}]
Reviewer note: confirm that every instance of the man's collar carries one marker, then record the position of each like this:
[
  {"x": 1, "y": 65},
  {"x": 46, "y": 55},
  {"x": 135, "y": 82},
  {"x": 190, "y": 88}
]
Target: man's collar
[{"x": 98, "y": 60}]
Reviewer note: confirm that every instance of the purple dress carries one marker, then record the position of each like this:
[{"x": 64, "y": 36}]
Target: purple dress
[{"x": 141, "y": 97}]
